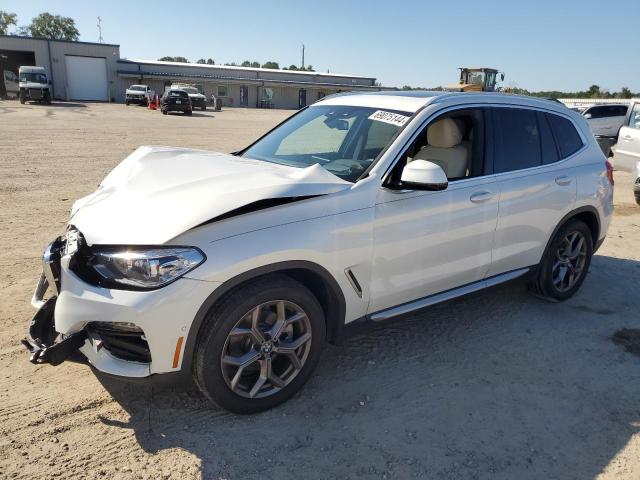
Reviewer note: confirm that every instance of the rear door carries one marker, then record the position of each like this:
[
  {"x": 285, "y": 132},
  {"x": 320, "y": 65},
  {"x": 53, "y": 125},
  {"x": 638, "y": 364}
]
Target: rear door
[
  {"x": 627, "y": 150},
  {"x": 536, "y": 189}
]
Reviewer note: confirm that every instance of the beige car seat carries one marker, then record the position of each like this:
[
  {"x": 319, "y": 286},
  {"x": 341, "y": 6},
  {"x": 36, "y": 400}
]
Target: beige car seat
[{"x": 446, "y": 148}]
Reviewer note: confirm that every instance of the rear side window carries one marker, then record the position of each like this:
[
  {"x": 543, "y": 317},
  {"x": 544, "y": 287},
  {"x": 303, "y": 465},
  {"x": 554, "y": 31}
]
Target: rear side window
[
  {"x": 621, "y": 110},
  {"x": 517, "y": 137},
  {"x": 567, "y": 138}
]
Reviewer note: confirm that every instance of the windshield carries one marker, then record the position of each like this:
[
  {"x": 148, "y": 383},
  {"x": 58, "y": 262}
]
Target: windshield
[
  {"x": 33, "y": 77},
  {"x": 138, "y": 88},
  {"x": 345, "y": 140},
  {"x": 190, "y": 90}
]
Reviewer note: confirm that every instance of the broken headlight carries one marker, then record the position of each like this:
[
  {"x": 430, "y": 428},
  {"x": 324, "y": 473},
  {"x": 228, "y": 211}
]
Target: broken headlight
[{"x": 144, "y": 267}]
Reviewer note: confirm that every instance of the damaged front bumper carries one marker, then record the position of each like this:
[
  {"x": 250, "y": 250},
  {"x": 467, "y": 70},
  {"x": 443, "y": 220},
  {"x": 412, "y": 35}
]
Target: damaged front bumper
[
  {"x": 43, "y": 342},
  {"x": 134, "y": 334}
]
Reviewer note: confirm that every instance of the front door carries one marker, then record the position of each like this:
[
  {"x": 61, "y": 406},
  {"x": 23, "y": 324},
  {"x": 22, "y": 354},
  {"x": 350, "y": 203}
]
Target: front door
[
  {"x": 628, "y": 147},
  {"x": 302, "y": 98},
  {"x": 244, "y": 96},
  {"x": 427, "y": 242}
]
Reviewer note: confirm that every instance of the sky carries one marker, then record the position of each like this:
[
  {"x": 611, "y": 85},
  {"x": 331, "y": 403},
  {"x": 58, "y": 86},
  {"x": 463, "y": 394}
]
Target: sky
[{"x": 562, "y": 45}]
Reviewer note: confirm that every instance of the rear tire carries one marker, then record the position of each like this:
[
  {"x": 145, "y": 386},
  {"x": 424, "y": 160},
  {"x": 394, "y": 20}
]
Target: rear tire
[
  {"x": 164, "y": 112},
  {"x": 22, "y": 99},
  {"x": 228, "y": 333},
  {"x": 204, "y": 107},
  {"x": 565, "y": 263},
  {"x": 189, "y": 112}
]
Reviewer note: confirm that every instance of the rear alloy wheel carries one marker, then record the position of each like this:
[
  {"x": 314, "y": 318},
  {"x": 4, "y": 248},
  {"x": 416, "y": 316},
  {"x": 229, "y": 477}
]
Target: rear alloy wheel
[
  {"x": 260, "y": 345},
  {"x": 566, "y": 262}
]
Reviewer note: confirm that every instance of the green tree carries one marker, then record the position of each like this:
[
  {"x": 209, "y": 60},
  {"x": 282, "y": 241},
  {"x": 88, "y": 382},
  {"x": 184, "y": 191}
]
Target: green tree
[
  {"x": 202, "y": 61},
  {"x": 271, "y": 64},
  {"x": 6, "y": 20},
  {"x": 210, "y": 61},
  {"x": 53, "y": 27},
  {"x": 310, "y": 68},
  {"x": 594, "y": 91},
  {"x": 624, "y": 93},
  {"x": 173, "y": 59}
]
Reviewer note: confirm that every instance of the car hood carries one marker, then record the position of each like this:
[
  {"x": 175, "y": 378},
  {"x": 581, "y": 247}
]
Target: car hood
[{"x": 158, "y": 193}]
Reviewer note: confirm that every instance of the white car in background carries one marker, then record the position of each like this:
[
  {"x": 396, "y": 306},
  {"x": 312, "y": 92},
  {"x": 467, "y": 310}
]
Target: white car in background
[
  {"x": 235, "y": 269},
  {"x": 140, "y": 94},
  {"x": 627, "y": 150}
]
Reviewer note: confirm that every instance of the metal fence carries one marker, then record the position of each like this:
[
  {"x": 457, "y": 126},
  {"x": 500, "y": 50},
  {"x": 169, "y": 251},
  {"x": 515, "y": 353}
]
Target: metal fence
[{"x": 583, "y": 102}]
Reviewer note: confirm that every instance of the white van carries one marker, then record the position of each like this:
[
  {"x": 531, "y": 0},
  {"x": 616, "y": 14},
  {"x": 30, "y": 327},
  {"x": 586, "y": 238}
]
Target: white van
[{"x": 34, "y": 85}]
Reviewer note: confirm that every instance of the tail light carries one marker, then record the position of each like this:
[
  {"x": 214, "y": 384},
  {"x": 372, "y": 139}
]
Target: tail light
[{"x": 609, "y": 172}]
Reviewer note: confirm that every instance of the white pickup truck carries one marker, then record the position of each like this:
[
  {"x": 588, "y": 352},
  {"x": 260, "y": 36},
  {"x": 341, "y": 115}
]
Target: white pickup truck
[{"x": 140, "y": 94}]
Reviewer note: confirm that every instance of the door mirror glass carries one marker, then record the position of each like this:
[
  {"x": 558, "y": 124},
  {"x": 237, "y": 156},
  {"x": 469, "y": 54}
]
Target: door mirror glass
[{"x": 424, "y": 175}]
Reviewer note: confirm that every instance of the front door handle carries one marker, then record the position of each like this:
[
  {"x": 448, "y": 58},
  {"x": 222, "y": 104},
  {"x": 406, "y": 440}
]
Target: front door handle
[
  {"x": 627, "y": 138},
  {"x": 563, "y": 180},
  {"x": 482, "y": 196}
]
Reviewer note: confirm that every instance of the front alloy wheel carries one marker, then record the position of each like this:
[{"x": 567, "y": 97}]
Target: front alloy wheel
[
  {"x": 259, "y": 344},
  {"x": 266, "y": 349}
]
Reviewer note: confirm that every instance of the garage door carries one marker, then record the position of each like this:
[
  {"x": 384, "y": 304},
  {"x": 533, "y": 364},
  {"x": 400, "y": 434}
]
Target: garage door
[{"x": 86, "y": 78}]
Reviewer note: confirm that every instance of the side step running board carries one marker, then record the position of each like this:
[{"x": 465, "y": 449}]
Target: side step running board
[{"x": 444, "y": 296}]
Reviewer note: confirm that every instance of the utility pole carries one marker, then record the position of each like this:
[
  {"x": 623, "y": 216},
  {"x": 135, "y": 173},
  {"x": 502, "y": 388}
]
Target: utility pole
[
  {"x": 303, "y": 56},
  {"x": 100, "y": 40}
]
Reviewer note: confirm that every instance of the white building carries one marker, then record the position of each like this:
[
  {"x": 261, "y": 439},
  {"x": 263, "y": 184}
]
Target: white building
[{"x": 95, "y": 72}]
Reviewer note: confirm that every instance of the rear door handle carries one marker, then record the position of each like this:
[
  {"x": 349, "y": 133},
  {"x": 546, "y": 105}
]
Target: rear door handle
[
  {"x": 482, "y": 196},
  {"x": 563, "y": 180}
]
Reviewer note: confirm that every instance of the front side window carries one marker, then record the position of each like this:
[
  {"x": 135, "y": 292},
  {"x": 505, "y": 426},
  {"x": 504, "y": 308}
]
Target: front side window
[
  {"x": 454, "y": 141},
  {"x": 345, "y": 140},
  {"x": 137, "y": 88}
]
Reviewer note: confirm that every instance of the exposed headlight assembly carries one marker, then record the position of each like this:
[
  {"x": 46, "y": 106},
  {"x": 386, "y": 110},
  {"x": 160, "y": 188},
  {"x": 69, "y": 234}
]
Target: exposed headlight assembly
[{"x": 144, "y": 268}]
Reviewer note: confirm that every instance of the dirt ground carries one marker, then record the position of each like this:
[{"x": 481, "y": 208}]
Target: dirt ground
[{"x": 495, "y": 385}]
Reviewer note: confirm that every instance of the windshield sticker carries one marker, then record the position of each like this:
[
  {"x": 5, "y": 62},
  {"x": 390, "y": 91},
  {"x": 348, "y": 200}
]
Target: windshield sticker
[{"x": 389, "y": 117}]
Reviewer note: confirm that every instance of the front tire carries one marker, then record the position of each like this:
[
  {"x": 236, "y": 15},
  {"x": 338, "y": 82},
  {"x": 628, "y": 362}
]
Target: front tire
[
  {"x": 565, "y": 263},
  {"x": 188, "y": 112},
  {"x": 204, "y": 107},
  {"x": 259, "y": 345},
  {"x": 22, "y": 99}
]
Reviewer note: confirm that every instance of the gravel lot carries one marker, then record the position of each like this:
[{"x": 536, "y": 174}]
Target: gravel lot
[{"x": 495, "y": 385}]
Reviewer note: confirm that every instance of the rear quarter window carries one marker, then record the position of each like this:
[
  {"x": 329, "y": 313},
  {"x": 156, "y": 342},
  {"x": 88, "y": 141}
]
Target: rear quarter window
[{"x": 566, "y": 135}]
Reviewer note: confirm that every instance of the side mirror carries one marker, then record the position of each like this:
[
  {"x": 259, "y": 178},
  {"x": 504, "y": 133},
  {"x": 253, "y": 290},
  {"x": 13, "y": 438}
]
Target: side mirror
[
  {"x": 424, "y": 175},
  {"x": 588, "y": 116}
]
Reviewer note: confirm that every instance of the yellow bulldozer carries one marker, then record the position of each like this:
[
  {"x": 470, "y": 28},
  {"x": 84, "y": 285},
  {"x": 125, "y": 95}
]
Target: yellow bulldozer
[{"x": 480, "y": 79}]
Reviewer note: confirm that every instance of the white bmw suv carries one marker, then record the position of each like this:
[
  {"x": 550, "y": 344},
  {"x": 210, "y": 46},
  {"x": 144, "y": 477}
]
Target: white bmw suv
[{"x": 235, "y": 269}]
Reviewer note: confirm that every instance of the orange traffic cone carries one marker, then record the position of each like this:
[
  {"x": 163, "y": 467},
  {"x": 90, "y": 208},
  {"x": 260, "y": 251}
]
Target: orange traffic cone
[
  {"x": 157, "y": 102},
  {"x": 152, "y": 105}
]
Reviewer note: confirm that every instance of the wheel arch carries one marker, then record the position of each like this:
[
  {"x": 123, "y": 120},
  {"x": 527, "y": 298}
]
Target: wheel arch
[
  {"x": 589, "y": 215},
  {"x": 313, "y": 276}
]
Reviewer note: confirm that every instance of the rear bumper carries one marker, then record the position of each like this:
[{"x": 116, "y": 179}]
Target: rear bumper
[{"x": 176, "y": 108}]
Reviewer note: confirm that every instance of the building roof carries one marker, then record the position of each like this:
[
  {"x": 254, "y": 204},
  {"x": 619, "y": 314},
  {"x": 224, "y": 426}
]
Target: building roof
[
  {"x": 61, "y": 41},
  {"x": 246, "y": 69}
]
